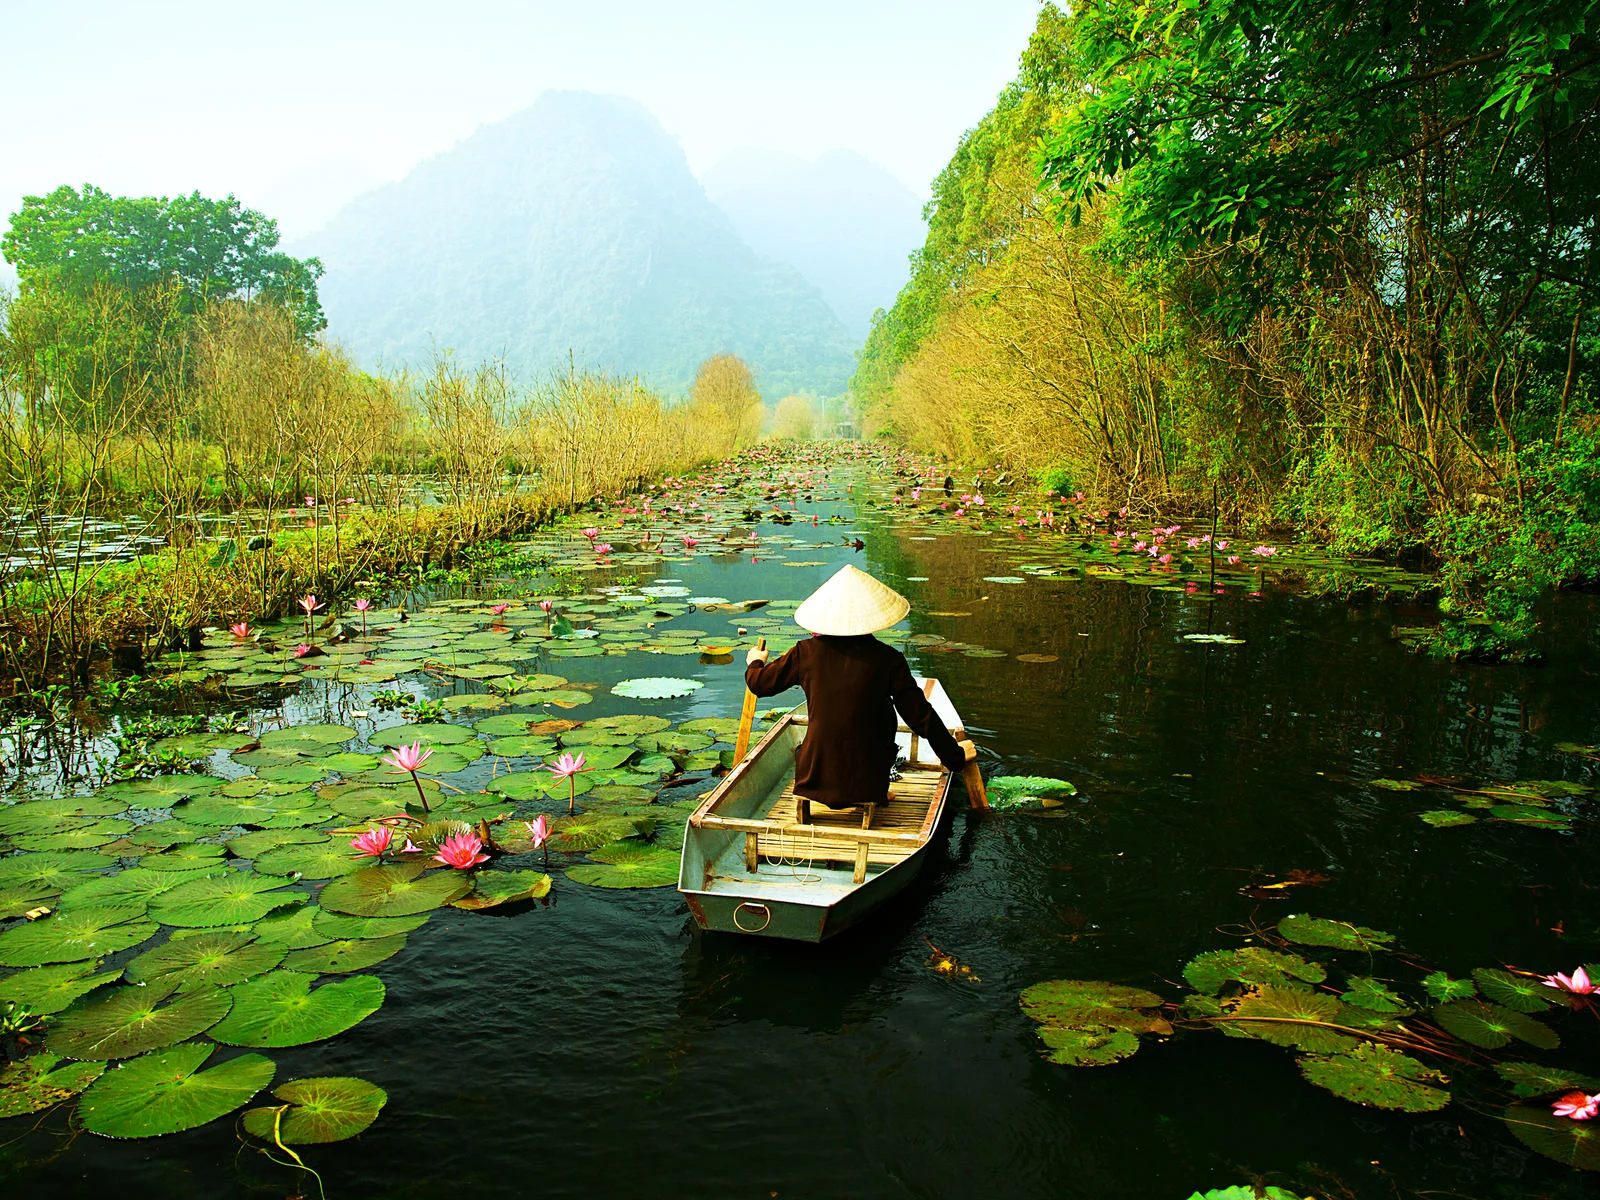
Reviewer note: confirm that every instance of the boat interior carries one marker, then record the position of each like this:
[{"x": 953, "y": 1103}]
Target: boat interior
[{"x": 751, "y": 843}]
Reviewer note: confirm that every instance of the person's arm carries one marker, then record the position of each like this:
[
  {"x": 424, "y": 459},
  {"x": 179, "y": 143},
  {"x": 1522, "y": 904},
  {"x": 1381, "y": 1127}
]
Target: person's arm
[
  {"x": 921, "y": 718},
  {"x": 768, "y": 679}
]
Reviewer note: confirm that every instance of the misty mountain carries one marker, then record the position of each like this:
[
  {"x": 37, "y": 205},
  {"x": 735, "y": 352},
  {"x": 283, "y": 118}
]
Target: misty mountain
[
  {"x": 842, "y": 221},
  {"x": 574, "y": 225}
]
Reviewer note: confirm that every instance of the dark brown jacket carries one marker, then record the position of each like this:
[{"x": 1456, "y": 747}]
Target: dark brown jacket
[{"x": 853, "y": 686}]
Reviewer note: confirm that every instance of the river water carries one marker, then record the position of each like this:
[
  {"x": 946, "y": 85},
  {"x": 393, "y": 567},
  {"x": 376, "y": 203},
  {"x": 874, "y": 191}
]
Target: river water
[{"x": 598, "y": 1045}]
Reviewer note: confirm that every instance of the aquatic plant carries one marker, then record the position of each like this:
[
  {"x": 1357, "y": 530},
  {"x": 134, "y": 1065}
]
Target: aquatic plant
[
  {"x": 539, "y": 832},
  {"x": 1576, "y": 984},
  {"x": 309, "y": 604},
  {"x": 407, "y": 760},
  {"x": 361, "y": 604},
  {"x": 374, "y": 842},
  {"x": 461, "y": 851},
  {"x": 568, "y": 767}
]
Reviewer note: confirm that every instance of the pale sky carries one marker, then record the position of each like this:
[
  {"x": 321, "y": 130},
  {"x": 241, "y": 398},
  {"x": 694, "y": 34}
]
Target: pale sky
[{"x": 295, "y": 107}]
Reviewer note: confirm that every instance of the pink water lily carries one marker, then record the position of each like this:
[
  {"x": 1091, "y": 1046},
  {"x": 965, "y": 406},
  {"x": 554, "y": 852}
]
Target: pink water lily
[
  {"x": 309, "y": 603},
  {"x": 311, "y": 501},
  {"x": 361, "y": 606},
  {"x": 591, "y": 533},
  {"x": 689, "y": 542},
  {"x": 410, "y": 848},
  {"x": 1264, "y": 551},
  {"x": 1577, "y": 1106},
  {"x": 568, "y": 767},
  {"x": 602, "y": 548},
  {"x": 1578, "y": 983},
  {"x": 242, "y": 629},
  {"x": 539, "y": 831},
  {"x": 407, "y": 759},
  {"x": 546, "y": 605},
  {"x": 373, "y": 842},
  {"x": 461, "y": 851},
  {"x": 499, "y": 608},
  {"x": 302, "y": 650}
]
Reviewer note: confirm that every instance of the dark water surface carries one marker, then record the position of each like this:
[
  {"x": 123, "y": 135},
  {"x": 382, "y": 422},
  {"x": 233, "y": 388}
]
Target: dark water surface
[{"x": 600, "y": 1046}]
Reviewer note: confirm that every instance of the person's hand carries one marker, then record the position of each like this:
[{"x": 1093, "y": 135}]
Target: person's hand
[
  {"x": 755, "y": 655},
  {"x": 969, "y": 750}
]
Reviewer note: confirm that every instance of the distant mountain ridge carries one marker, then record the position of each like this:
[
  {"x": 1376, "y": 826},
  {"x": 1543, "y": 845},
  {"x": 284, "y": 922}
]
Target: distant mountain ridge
[{"x": 574, "y": 225}]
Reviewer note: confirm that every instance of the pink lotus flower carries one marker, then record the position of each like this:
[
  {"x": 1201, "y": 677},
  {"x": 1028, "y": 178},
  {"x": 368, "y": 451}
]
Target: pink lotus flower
[
  {"x": 546, "y": 605},
  {"x": 311, "y": 501},
  {"x": 566, "y": 765},
  {"x": 499, "y": 608},
  {"x": 1233, "y": 559},
  {"x": 689, "y": 543},
  {"x": 1264, "y": 551},
  {"x": 1577, "y": 1106},
  {"x": 362, "y": 604},
  {"x": 309, "y": 603},
  {"x": 1222, "y": 543},
  {"x": 602, "y": 548},
  {"x": 408, "y": 759},
  {"x": 539, "y": 831},
  {"x": 1164, "y": 559},
  {"x": 373, "y": 842},
  {"x": 591, "y": 533},
  {"x": 1577, "y": 984},
  {"x": 302, "y": 650},
  {"x": 242, "y": 629},
  {"x": 461, "y": 851},
  {"x": 916, "y": 493}
]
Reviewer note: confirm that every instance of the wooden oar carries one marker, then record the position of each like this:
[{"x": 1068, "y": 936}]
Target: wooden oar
[
  {"x": 977, "y": 797},
  {"x": 747, "y": 718}
]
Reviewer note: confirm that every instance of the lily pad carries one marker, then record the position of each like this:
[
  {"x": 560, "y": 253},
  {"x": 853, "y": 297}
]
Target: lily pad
[
  {"x": 56, "y": 869},
  {"x": 324, "y": 1109},
  {"x": 73, "y": 936},
  {"x": 1291, "y": 1017},
  {"x": 395, "y": 890},
  {"x": 35, "y": 1083},
  {"x": 220, "y": 959},
  {"x": 249, "y": 845},
  {"x": 89, "y": 836},
  {"x": 227, "y": 898},
  {"x": 1087, "y": 1045},
  {"x": 1339, "y": 935},
  {"x": 628, "y": 865},
  {"x": 1534, "y": 1079},
  {"x": 338, "y": 925},
  {"x": 1516, "y": 992},
  {"x": 1574, "y": 1143},
  {"x": 494, "y": 888},
  {"x": 1368, "y": 993},
  {"x": 1088, "y": 1003},
  {"x": 134, "y": 1020},
  {"x": 162, "y": 791},
  {"x": 190, "y": 856},
  {"x": 1441, "y": 987},
  {"x": 49, "y": 990},
  {"x": 167, "y": 1092},
  {"x": 339, "y": 957},
  {"x": 1251, "y": 966},
  {"x": 1025, "y": 791},
  {"x": 281, "y": 1009},
  {"x": 429, "y": 735},
  {"x": 326, "y": 859},
  {"x": 298, "y": 737},
  {"x": 589, "y": 832},
  {"x": 1492, "y": 1026},
  {"x": 291, "y": 928},
  {"x": 1442, "y": 818},
  {"x": 655, "y": 687},
  {"x": 1376, "y": 1075}
]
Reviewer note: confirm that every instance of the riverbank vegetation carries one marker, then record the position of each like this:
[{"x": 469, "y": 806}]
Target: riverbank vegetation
[
  {"x": 1335, "y": 265},
  {"x": 198, "y": 404}
]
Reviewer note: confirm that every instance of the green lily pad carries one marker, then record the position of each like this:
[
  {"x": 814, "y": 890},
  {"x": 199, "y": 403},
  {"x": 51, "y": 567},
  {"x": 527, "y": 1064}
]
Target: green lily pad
[
  {"x": 73, "y": 936},
  {"x": 1534, "y": 1079},
  {"x": 1379, "y": 1076},
  {"x": 395, "y": 890},
  {"x": 325, "y": 1109},
  {"x": 338, "y": 925},
  {"x": 1444, "y": 817},
  {"x": 291, "y": 928},
  {"x": 656, "y": 687},
  {"x": 326, "y": 859},
  {"x": 1027, "y": 791},
  {"x": 191, "y": 856},
  {"x": 250, "y": 845},
  {"x": 1365, "y": 992},
  {"x": 167, "y": 1092},
  {"x": 161, "y": 792},
  {"x": 160, "y": 835},
  {"x": 49, "y": 990},
  {"x": 1395, "y": 785},
  {"x": 1088, "y": 1003},
  {"x": 347, "y": 955},
  {"x": 27, "y": 818},
  {"x": 1492, "y": 1026},
  {"x": 1251, "y": 966},
  {"x": 523, "y": 745},
  {"x": 589, "y": 832},
  {"x": 628, "y": 865},
  {"x": 222, "y": 959},
  {"x": 1441, "y": 987},
  {"x": 133, "y": 1020},
  {"x": 494, "y": 888},
  {"x": 310, "y": 771},
  {"x": 55, "y": 869},
  {"x": 1574, "y": 1143},
  {"x": 1292, "y": 1017},
  {"x": 1515, "y": 992},
  {"x": 298, "y": 737},
  {"x": 429, "y": 735},
  {"x": 1523, "y": 814},
  {"x": 228, "y": 898},
  {"x": 1339, "y": 935},
  {"x": 15, "y": 902},
  {"x": 41, "y": 1080},
  {"x": 538, "y": 785},
  {"x": 721, "y": 727},
  {"x": 89, "y": 836},
  {"x": 1087, "y": 1045},
  {"x": 280, "y": 1009}
]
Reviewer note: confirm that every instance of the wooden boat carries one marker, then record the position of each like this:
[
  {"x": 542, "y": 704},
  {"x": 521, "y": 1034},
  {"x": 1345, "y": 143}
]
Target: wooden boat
[{"x": 749, "y": 866}]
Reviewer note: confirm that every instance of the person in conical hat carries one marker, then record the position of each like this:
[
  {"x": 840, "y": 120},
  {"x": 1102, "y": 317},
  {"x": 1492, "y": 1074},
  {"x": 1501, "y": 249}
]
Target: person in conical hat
[{"x": 854, "y": 684}]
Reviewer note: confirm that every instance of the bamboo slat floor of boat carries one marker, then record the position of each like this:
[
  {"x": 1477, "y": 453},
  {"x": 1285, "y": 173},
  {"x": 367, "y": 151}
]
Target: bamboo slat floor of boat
[{"x": 908, "y": 808}]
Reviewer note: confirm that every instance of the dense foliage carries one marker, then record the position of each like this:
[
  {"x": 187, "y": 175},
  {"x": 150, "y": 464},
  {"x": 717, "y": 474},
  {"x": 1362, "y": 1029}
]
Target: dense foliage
[{"x": 1336, "y": 260}]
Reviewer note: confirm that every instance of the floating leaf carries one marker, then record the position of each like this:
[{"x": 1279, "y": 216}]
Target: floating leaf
[
  {"x": 342, "y": 956},
  {"x": 589, "y": 832},
  {"x": 162, "y": 791},
  {"x": 1088, "y": 1045},
  {"x": 222, "y": 959},
  {"x": 292, "y": 928},
  {"x": 396, "y": 890},
  {"x": 1379, "y": 1076},
  {"x": 280, "y": 1009},
  {"x": 1574, "y": 1143},
  {"x": 85, "y": 837},
  {"x": 1442, "y": 818},
  {"x": 55, "y": 869},
  {"x": 1316, "y": 931},
  {"x": 191, "y": 856},
  {"x": 1441, "y": 987},
  {"x": 307, "y": 737},
  {"x": 133, "y": 1020},
  {"x": 1081, "y": 1002},
  {"x": 1292, "y": 1017},
  {"x": 1516, "y": 992},
  {"x": 1523, "y": 814},
  {"x": 494, "y": 888},
  {"x": 325, "y": 859},
  {"x": 1533, "y": 1079},
  {"x": 628, "y": 865},
  {"x": 224, "y": 898},
  {"x": 74, "y": 936},
  {"x": 37, "y": 1082},
  {"x": 655, "y": 687},
  {"x": 1365, "y": 992},
  {"x": 1395, "y": 785},
  {"x": 1249, "y": 965},
  {"x": 249, "y": 845},
  {"x": 166, "y": 1092},
  {"x": 1492, "y": 1026},
  {"x": 338, "y": 925},
  {"x": 49, "y": 990},
  {"x": 1245, "y": 1193},
  {"x": 324, "y": 1109},
  {"x": 429, "y": 735},
  {"x": 1022, "y": 791}
]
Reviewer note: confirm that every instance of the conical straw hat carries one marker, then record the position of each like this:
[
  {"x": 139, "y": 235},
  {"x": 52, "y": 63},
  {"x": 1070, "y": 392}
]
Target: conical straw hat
[{"x": 849, "y": 604}]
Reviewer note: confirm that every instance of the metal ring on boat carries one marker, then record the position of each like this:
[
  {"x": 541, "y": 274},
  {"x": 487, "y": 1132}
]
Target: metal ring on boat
[{"x": 762, "y": 908}]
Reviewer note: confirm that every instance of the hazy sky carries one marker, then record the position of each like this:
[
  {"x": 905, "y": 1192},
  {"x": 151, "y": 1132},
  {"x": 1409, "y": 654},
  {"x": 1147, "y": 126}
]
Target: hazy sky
[{"x": 296, "y": 107}]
